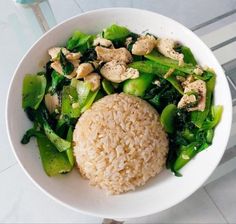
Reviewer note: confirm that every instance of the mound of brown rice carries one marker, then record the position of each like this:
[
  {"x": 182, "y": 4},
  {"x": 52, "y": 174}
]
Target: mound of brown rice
[{"x": 120, "y": 143}]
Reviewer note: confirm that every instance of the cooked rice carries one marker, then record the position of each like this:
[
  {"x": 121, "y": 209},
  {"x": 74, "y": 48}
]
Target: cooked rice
[{"x": 120, "y": 143}]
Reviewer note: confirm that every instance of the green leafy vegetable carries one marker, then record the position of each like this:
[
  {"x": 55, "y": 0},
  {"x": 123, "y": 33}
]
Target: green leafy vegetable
[
  {"x": 107, "y": 86},
  {"x": 56, "y": 80},
  {"x": 67, "y": 66},
  {"x": 89, "y": 101},
  {"x": 158, "y": 58},
  {"x": 188, "y": 55},
  {"x": 83, "y": 90},
  {"x": 69, "y": 152},
  {"x": 54, "y": 162},
  {"x": 79, "y": 42},
  {"x": 209, "y": 136},
  {"x": 58, "y": 142},
  {"x": 115, "y": 32},
  {"x": 168, "y": 116},
  {"x": 198, "y": 117},
  {"x": 33, "y": 91},
  {"x": 185, "y": 155},
  {"x": 160, "y": 70},
  {"x": 153, "y": 67},
  {"x": 30, "y": 133},
  {"x": 70, "y": 104},
  {"x": 138, "y": 86},
  {"x": 216, "y": 112}
]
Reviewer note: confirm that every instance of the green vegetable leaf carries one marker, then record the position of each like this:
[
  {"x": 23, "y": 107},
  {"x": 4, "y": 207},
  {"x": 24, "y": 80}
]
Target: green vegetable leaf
[
  {"x": 69, "y": 152},
  {"x": 79, "y": 42},
  {"x": 56, "y": 80},
  {"x": 160, "y": 59},
  {"x": 216, "y": 112},
  {"x": 198, "y": 117},
  {"x": 107, "y": 86},
  {"x": 185, "y": 155},
  {"x": 30, "y": 133},
  {"x": 168, "y": 117},
  {"x": 83, "y": 90},
  {"x": 33, "y": 91},
  {"x": 70, "y": 104},
  {"x": 115, "y": 32},
  {"x": 53, "y": 161},
  {"x": 58, "y": 142},
  {"x": 89, "y": 101},
  {"x": 67, "y": 66},
  {"x": 159, "y": 70},
  {"x": 188, "y": 55}
]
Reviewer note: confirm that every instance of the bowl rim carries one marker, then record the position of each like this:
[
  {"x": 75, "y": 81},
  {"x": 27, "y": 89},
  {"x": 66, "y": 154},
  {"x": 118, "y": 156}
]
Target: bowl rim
[{"x": 103, "y": 215}]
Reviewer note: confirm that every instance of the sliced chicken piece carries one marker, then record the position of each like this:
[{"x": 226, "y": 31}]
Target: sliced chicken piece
[
  {"x": 73, "y": 56},
  {"x": 99, "y": 41},
  {"x": 112, "y": 70},
  {"x": 54, "y": 51},
  {"x": 166, "y": 47},
  {"x": 198, "y": 70},
  {"x": 117, "y": 71},
  {"x": 189, "y": 79},
  {"x": 56, "y": 65},
  {"x": 94, "y": 80},
  {"x": 51, "y": 102},
  {"x": 144, "y": 45},
  {"x": 131, "y": 73},
  {"x": 194, "y": 92},
  {"x": 83, "y": 70},
  {"x": 106, "y": 54}
]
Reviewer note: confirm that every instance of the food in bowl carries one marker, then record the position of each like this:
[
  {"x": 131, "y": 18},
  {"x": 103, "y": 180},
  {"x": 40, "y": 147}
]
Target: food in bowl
[
  {"x": 93, "y": 70},
  {"x": 124, "y": 144}
]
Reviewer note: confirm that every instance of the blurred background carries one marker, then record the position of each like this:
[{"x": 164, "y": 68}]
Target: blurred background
[{"x": 22, "y": 22}]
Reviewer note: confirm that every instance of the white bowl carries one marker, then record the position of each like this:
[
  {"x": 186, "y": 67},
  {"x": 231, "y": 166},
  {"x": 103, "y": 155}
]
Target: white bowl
[{"x": 163, "y": 191}]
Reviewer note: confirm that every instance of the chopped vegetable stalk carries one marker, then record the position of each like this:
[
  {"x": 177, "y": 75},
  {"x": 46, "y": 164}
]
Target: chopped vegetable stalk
[
  {"x": 167, "y": 117},
  {"x": 157, "y": 57},
  {"x": 198, "y": 117},
  {"x": 60, "y": 143},
  {"x": 160, "y": 70},
  {"x": 154, "y": 68},
  {"x": 209, "y": 136},
  {"x": 89, "y": 101},
  {"x": 115, "y": 32},
  {"x": 138, "y": 86},
  {"x": 69, "y": 152},
  {"x": 30, "y": 133},
  {"x": 54, "y": 162},
  {"x": 216, "y": 112},
  {"x": 33, "y": 91},
  {"x": 185, "y": 155},
  {"x": 70, "y": 102},
  {"x": 188, "y": 55},
  {"x": 175, "y": 84},
  {"x": 107, "y": 86}
]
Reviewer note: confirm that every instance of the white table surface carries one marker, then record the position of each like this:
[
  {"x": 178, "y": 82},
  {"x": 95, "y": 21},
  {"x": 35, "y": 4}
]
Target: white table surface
[{"x": 20, "y": 200}]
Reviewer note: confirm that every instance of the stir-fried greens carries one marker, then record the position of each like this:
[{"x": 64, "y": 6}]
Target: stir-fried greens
[{"x": 89, "y": 67}]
